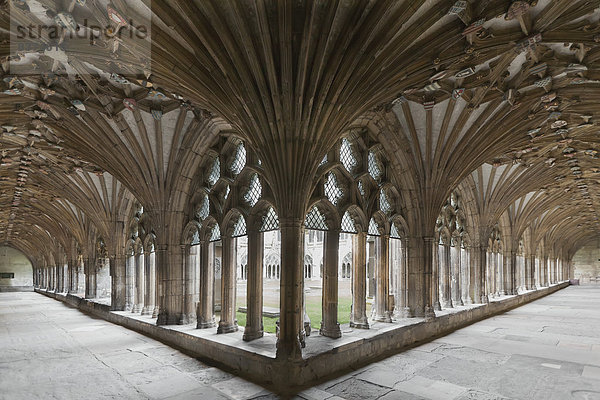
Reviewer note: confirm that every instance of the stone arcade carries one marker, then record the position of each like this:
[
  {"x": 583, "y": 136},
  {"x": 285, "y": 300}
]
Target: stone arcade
[{"x": 449, "y": 147}]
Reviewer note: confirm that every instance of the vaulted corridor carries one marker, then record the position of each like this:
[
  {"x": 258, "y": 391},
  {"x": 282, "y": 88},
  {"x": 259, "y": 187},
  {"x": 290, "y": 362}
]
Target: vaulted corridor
[{"x": 548, "y": 349}]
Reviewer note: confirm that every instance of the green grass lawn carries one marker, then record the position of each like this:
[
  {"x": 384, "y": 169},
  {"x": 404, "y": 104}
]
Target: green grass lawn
[{"x": 313, "y": 309}]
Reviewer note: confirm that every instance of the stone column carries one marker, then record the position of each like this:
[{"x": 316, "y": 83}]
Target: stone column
[
  {"x": 169, "y": 259},
  {"x": 291, "y": 288},
  {"x": 329, "y": 323},
  {"x": 401, "y": 309},
  {"x": 382, "y": 275},
  {"x": 481, "y": 290},
  {"x": 437, "y": 268},
  {"x": 529, "y": 269},
  {"x": 254, "y": 321},
  {"x": 420, "y": 280},
  {"x": 228, "y": 322},
  {"x": 544, "y": 269},
  {"x": 464, "y": 272},
  {"x": 445, "y": 265},
  {"x": 205, "y": 314},
  {"x": 510, "y": 276},
  {"x": 553, "y": 276},
  {"x": 456, "y": 272},
  {"x": 191, "y": 283},
  {"x": 118, "y": 292},
  {"x": 358, "y": 316},
  {"x": 150, "y": 283},
  {"x": 138, "y": 302}
]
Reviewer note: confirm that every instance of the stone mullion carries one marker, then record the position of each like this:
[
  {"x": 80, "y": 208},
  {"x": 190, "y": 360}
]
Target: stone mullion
[
  {"x": 191, "y": 283},
  {"x": 456, "y": 273},
  {"x": 358, "y": 317},
  {"x": 228, "y": 321},
  {"x": 382, "y": 276},
  {"x": 436, "y": 278},
  {"x": 205, "y": 314},
  {"x": 447, "y": 268},
  {"x": 254, "y": 321},
  {"x": 329, "y": 324},
  {"x": 149, "y": 284},
  {"x": 139, "y": 284}
]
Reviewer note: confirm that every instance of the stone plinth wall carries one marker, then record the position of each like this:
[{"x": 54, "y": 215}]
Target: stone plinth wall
[
  {"x": 16, "y": 263},
  {"x": 290, "y": 376},
  {"x": 586, "y": 265}
]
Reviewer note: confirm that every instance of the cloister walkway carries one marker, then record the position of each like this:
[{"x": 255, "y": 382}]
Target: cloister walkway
[{"x": 548, "y": 349}]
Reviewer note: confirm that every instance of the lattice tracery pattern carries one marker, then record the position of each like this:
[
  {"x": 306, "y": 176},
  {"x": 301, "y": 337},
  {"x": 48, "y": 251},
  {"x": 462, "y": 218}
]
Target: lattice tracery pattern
[
  {"x": 333, "y": 191},
  {"x": 254, "y": 191},
  {"x": 240, "y": 227},
  {"x": 315, "y": 220},
  {"x": 373, "y": 228},
  {"x": 215, "y": 234},
  {"x": 384, "y": 203},
  {"x": 204, "y": 209},
  {"x": 394, "y": 232},
  {"x": 375, "y": 166},
  {"x": 215, "y": 172},
  {"x": 239, "y": 161},
  {"x": 348, "y": 225},
  {"x": 270, "y": 221},
  {"x": 347, "y": 155}
]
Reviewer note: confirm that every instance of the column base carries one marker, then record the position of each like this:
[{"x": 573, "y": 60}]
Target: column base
[
  {"x": 137, "y": 309},
  {"x": 250, "y": 335},
  {"x": 147, "y": 310},
  {"x": 202, "y": 324},
  {"x": 403, "y": 312},
  {"x": 359, "y": 324},
  {"x": 383, "y": 318},
  {"x": 188, "y": 319},
  {"x": 485, "y": 299},
  {"x": 437, "y": 306},
  {"x": 165, "y": 318},
  {"x": 333, "y": 332},
  {"x": 155, "y": 312},
  {"x": 227, "y": 327},
  {"x": 429, "y": 313}
]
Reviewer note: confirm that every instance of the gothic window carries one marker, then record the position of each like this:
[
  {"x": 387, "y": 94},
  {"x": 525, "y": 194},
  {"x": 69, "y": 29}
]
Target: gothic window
[
  {"x": 254, "y": 191},
  {"x": 240, "y": 227},
  {"x": 215, "y": 234},
  {"x": 373, "y": 228},
  {"x": 204, "y": 209},
  {"x": 215, "y": 172},
  {"x": 375, "y": 167},
  {"x": 348, "y": 224},
  {"x": 384, "y": 203},
  {"x": 347, "y": 155},
  {"x": 333, "y": 190},
  {"x": 394, "y": 232},
  {"x": 315, "y": 220},
  {"x": 195, "y": 239},
  {"x": 239, "y": 161},
  {"x": 270, "y": 221}
]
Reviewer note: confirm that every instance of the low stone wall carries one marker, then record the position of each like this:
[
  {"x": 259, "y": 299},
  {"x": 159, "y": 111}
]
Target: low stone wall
[
  {"x": 290, "y": 376},
  {"x": 16, "y": 288}
]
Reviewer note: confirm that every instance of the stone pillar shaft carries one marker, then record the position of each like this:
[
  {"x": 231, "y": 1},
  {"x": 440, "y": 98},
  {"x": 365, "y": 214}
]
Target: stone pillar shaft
[
  {"x": 205, "y": 314},
  {"x": 150, "y": 283},
  {"x": 228, "y": 322},
  {"x": 191, "y": 283},
  {"x": 254, "y": 322},
  {"x": 291, "y": 327},
  {"x": 138, "y": 302},
  {"x": 358, "y": 317},
  {"x": 382, "y": 276},
  {"x": 329, "y": 324}
]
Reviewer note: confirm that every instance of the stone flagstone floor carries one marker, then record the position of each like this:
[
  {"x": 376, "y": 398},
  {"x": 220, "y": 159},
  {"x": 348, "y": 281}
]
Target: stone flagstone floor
[{"x": 548, "y": 349}]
